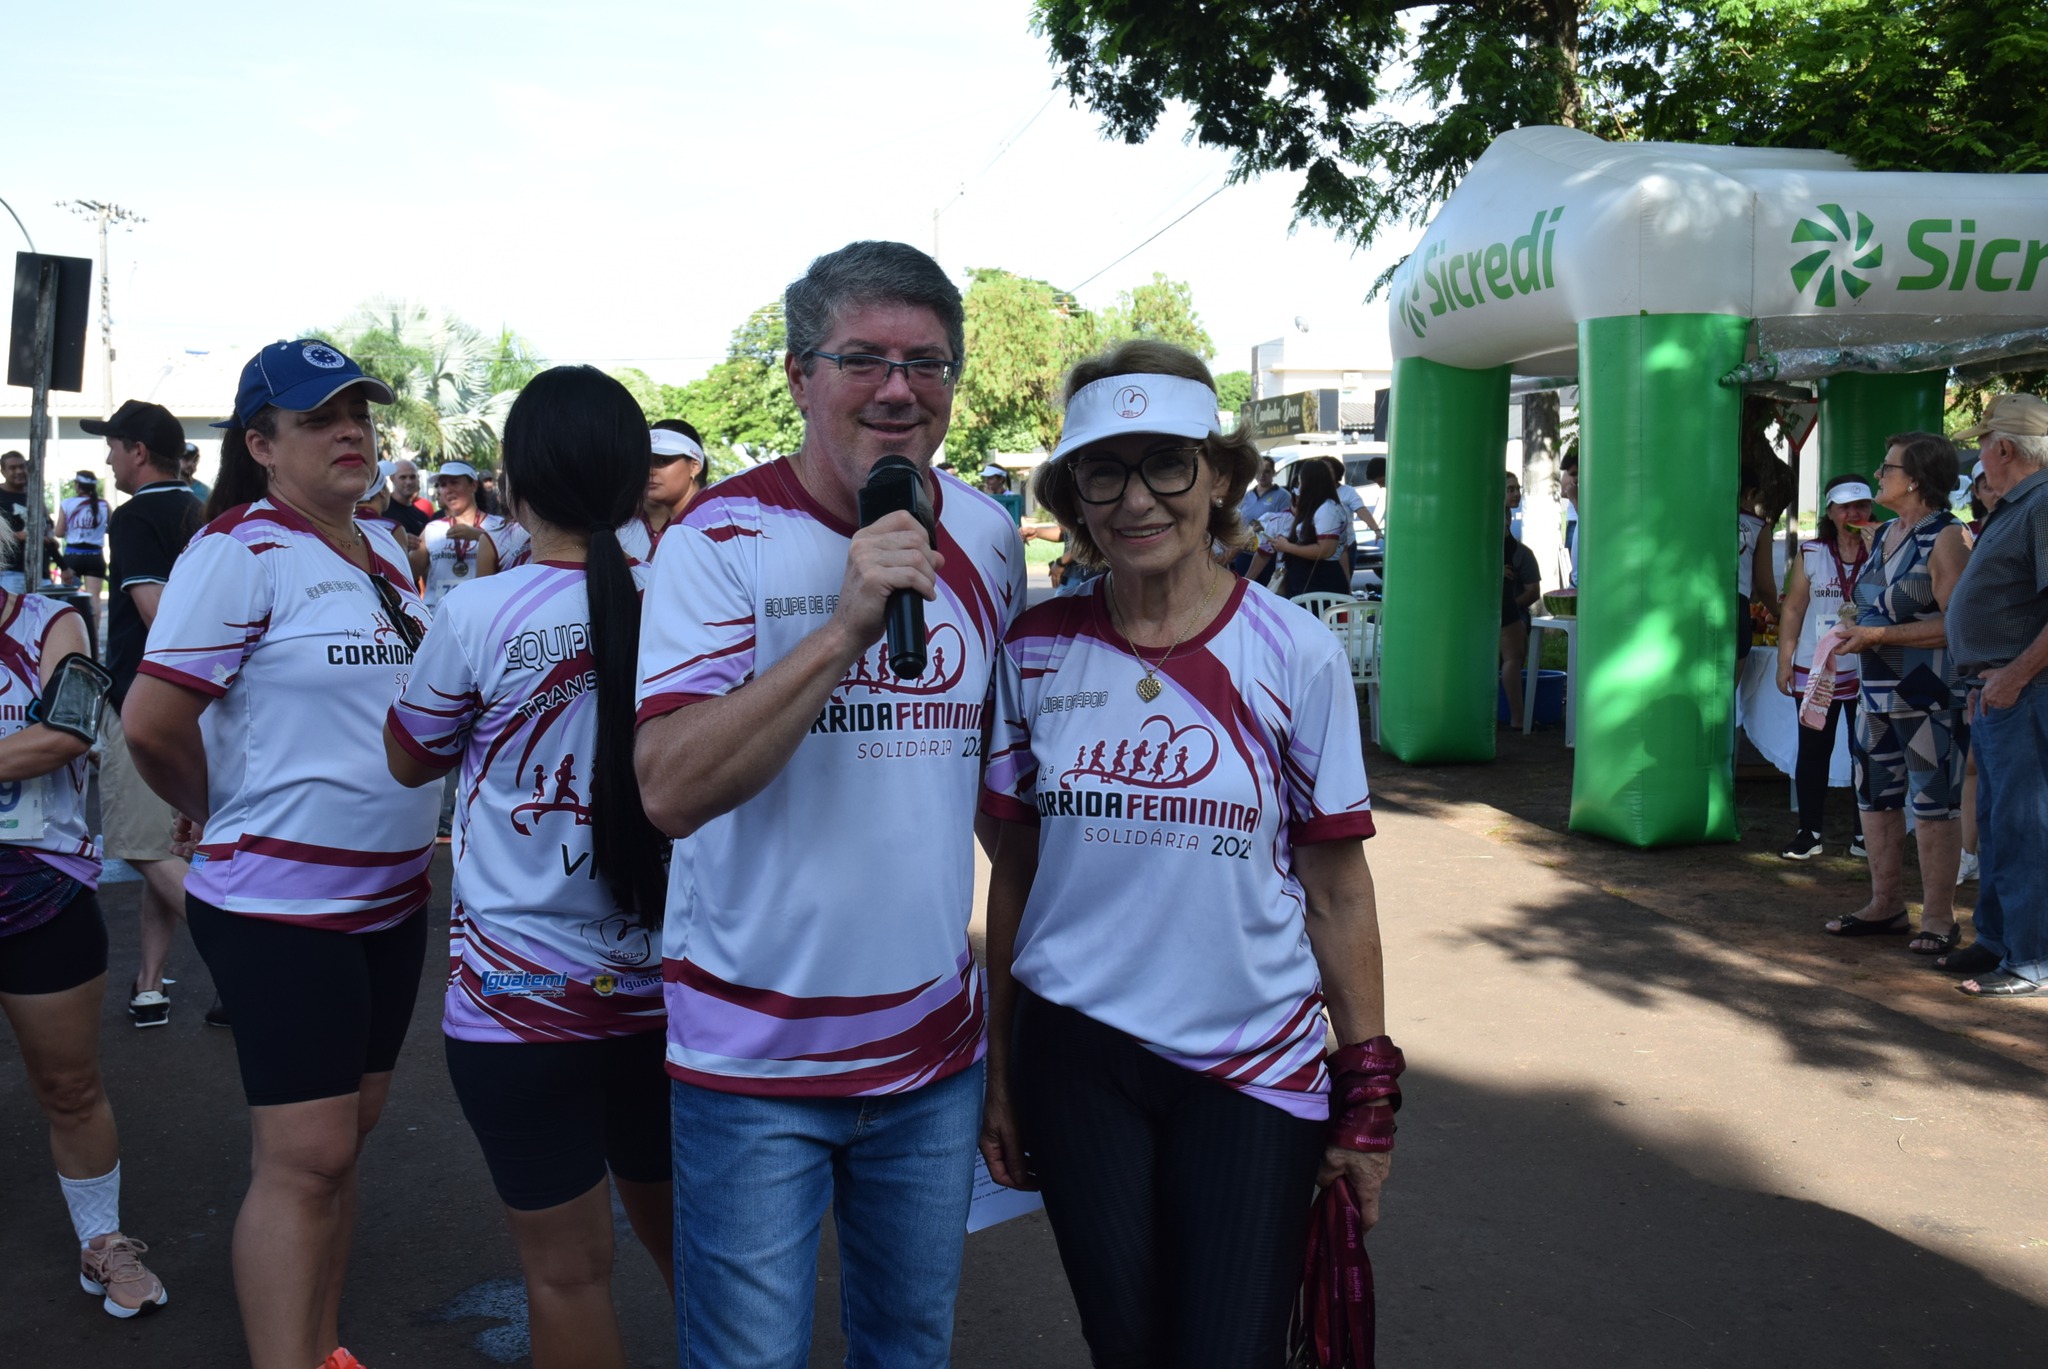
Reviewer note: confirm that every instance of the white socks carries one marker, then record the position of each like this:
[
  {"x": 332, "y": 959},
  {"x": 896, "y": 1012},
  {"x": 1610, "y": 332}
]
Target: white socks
[{"x": 95, "y": 1204}]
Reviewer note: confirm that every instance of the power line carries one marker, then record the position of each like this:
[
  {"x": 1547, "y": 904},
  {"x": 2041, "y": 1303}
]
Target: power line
[{"x": 1141, "y": 246}]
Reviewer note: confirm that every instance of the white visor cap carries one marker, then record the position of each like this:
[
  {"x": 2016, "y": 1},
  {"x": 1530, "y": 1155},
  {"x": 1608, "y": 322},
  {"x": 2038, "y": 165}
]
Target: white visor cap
[
  {"x": 664, "y": 442},
  {"x": 1849, "y": 493},
  {"x": 1173, "y": 406}
]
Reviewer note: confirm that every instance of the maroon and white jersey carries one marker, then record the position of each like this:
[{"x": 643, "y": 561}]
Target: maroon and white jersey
[
  {"x": 452, "y": 561},
  {"x": 538, "y": 949},
  {"x": 45, "y": 813},
  {"x": 1166, "y": 904},
  {"x": 290, "y": 640},
  {"x": 639, "y": 539},
  {"x": 816, "y": 937}
]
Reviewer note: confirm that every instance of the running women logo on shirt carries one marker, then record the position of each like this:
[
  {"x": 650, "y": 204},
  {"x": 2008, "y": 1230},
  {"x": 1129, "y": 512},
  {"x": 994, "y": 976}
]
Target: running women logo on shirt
[
  {"x": 945, "y": 663},
  {"x": 564, "y": 800},
  {"x": 1160, "y": 756}
]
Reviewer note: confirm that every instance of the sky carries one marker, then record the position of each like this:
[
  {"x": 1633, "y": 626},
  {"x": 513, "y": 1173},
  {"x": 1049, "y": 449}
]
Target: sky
[{"x": 623, "y": 183}]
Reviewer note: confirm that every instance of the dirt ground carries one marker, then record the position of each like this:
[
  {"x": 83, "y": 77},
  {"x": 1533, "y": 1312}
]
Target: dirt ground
[{"x": 1744, "y": 895}]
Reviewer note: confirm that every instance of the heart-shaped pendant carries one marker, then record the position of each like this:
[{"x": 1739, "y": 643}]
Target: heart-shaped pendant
[{"x": 1148, "y": 689}]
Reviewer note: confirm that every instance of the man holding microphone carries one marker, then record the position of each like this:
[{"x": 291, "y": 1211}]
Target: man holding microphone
[{"x": 825, "y": 1011}]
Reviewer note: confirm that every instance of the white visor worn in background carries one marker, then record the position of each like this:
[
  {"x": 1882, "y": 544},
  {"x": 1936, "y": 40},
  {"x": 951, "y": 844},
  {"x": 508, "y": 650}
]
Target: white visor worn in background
[
  {"x": 1849, "y": 494},
  {"x": 461, "y": 468},
  {"x": 666, "y": 443},
  {"x": 1172, "y": 406}
]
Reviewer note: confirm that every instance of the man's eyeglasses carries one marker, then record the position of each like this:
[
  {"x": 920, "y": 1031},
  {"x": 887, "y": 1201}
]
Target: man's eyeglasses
[
  {"x": 926, "y": 373},
  {"x": 1165, "y": 471},
  {"x": 401, "y": 622}
]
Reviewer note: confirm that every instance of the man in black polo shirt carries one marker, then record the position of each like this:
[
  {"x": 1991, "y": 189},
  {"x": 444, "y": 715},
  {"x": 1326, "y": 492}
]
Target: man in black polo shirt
[
  {"x": 1997, "y": 626},
  {"x": 145, "y": 449}
]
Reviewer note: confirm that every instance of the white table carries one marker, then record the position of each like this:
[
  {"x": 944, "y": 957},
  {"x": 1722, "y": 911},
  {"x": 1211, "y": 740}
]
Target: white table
[
  {"x": 1532, "y": 673},
  {"x": 1772, "y": 719}
]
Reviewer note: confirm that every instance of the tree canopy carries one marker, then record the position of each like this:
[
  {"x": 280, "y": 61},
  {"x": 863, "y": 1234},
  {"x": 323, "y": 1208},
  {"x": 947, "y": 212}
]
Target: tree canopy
[
  {"x": 1024, "y": 334},
  {"x": 744, "y": 399},
  {"x": 453, "y": 382},
  {"x": 1384, "y": 104}
]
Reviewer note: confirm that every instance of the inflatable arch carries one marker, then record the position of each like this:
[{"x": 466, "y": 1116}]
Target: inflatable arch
[{"x": 1662, "y": 276}]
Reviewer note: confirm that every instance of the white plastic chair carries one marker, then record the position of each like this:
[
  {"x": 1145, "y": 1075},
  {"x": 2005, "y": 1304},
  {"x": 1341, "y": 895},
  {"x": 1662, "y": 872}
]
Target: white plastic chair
[
  {"x": 1322, "y": 601},
  {"x": 1357, "y": 625}
]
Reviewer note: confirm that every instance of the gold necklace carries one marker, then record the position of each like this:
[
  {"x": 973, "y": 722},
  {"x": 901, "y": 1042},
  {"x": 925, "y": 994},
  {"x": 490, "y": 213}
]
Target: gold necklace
[{"x": 1149, "y": 687}]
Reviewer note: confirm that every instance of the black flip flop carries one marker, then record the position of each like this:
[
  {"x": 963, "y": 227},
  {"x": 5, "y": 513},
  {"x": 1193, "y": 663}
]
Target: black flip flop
[
  {"x": 1894, "y": 925},
  {"x": 1975, "y": 958},
  {"x": 2000, "y": 986},
  {"x": 1925, "y": 942}
]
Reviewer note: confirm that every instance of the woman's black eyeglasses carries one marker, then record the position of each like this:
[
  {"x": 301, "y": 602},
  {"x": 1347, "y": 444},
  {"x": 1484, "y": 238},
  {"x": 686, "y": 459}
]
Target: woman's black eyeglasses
[
  {"x": 401, "y": 622},
  {"x": 1165, "y": 471}
]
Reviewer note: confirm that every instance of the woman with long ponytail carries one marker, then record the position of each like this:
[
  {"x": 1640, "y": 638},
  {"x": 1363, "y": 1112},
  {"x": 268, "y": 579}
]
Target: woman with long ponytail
[{"x": 553, "y": 1018}]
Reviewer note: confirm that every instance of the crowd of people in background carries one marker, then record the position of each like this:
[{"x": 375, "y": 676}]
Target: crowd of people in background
[
  {"x": 661, "y": 981},
  {"x": 712, "y": 834}
]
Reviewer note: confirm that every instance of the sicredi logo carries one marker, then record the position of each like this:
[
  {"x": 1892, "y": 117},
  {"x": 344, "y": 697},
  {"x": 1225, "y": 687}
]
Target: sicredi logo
[
  {"x": 1951, "y": 255},
  {"x": 1846, "y": 254},
  {"x": 1498, "y": 271}
]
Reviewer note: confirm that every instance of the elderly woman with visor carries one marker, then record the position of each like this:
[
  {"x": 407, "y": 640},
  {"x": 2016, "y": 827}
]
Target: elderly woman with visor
[{"x": 1179, "y": 895}]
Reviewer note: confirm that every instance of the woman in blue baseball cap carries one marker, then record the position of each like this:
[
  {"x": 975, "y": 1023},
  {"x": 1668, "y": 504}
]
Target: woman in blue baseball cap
[{"x": 282, "y": 636}]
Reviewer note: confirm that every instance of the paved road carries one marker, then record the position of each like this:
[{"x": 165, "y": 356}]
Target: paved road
[{"x": 1624, "y": 1145}]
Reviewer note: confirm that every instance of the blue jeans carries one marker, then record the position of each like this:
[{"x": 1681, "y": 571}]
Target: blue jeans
[
  {"x": 14, "y": 581},
  {"x": 2011, "y": 745},
  {"x": 753, "y": 1176}
]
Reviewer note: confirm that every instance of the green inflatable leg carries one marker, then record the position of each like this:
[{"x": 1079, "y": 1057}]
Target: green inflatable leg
[
  {"x": 1659, "y": 442},
  {"x": 1858, "y": 412},
  {"x": 1446, "y": 515}
]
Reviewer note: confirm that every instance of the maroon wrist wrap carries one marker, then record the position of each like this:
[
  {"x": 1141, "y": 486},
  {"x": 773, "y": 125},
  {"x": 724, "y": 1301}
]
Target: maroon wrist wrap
[{"x": 1361, "y": 1078}]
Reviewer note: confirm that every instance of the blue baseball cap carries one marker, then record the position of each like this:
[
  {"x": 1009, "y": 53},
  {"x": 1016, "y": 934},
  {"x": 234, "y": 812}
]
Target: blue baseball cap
[{"x": 298, "y": 376}]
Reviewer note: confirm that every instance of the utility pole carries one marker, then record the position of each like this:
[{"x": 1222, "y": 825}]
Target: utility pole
[{"x": 107, "y": 214}]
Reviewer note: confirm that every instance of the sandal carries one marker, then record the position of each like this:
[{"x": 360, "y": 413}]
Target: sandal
[
  {"x": 1925, "y": 942},
  {"x": 1864, "y": 926},
  {"x": 1998, "y": 986},
  {"x": 1975, "y": 958}
]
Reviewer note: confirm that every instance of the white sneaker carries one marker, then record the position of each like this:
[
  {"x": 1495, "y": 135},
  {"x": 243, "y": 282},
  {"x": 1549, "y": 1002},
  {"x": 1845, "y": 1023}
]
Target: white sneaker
[
  {"x": 1966, "y": 872},
  {"x": 150, "y": 1008}
]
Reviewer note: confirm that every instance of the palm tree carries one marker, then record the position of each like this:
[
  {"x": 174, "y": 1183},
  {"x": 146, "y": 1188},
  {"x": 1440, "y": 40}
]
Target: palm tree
[{"x": 453, "y": 384}]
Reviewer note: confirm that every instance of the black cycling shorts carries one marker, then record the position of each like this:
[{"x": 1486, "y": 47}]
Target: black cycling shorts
[
  {"x": 68, "y": 950},
  {"x": 313, "y": 1010},
  {"x": 90, "y": 563},
  {"x": 553, "y": 1116}
]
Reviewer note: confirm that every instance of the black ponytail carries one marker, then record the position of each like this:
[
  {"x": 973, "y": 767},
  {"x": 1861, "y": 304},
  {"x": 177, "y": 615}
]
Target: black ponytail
[
  {"x": 575, "y": 453},
  {"x": 241, "y": 481}
]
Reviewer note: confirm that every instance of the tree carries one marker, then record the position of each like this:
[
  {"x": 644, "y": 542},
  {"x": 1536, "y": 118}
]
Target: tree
[
  {"x": 1384, "y": 113},
  {"x": 452, "y": 384},
  {"x": 1163, "y": 311},
  {"x": 1022, "y": 335},
  {"x": 744, "y": 399},
  {"x": 647, "y": 392},
  {"x": 1233, "y": 390}
]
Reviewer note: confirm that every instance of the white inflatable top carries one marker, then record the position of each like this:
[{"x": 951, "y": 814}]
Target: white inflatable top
[{"x": 1553, "y": 226}]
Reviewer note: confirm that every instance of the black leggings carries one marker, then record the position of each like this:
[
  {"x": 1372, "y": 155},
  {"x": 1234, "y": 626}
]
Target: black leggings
[
  {"x": 313, "y": 1010},
  {"x": 1810, "y": 774},
  {"x": 1181, "y": 1205}
]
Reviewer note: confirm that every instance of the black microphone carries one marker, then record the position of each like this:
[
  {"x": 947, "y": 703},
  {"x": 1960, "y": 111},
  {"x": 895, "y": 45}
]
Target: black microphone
[{"x": 895, "y": 484}]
